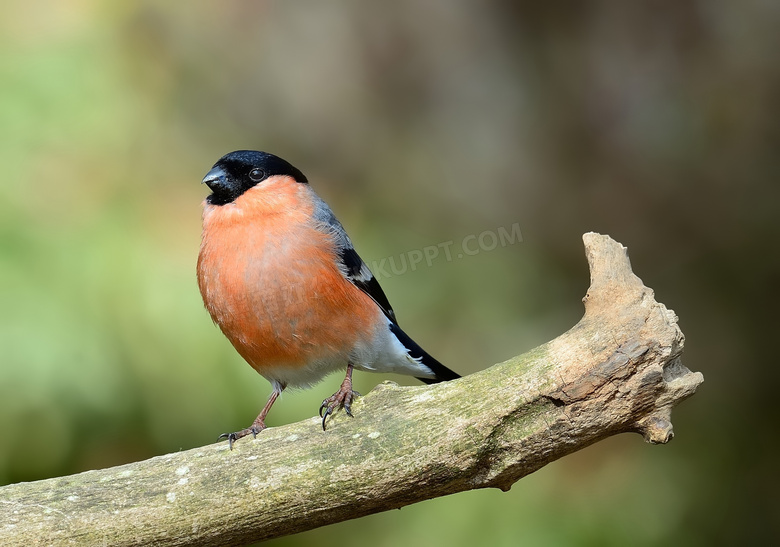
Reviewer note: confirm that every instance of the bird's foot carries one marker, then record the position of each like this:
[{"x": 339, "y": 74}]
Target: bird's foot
[
  {"x": 341, "y": 399},
  {"x": 253, "y": 430}
]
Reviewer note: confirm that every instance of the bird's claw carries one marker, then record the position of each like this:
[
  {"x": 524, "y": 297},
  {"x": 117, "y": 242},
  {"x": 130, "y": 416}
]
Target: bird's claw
[
  {"x": 233, "y": 437},
  {"x": 341, "y": 399}
]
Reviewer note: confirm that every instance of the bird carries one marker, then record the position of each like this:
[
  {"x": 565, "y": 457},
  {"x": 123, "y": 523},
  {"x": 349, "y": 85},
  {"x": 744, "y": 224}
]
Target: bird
[{"x": 281, "y": 279}]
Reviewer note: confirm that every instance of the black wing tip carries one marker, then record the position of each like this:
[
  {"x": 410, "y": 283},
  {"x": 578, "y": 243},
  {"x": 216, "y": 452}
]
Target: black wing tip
[
  {"x": 442, "y": 373},
  {"x": 439, "y": 379}
]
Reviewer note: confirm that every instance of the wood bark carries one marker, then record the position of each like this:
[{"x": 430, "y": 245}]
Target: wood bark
[{"x": 617, "y": 370}]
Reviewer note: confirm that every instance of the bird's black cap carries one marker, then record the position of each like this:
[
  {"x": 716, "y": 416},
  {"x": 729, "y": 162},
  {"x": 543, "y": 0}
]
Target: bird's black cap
[{"x": 237, "y": 172}]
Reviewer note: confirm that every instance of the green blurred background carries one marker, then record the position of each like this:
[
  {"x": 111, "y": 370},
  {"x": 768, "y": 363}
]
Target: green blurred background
[{"x": 420, "y": 123}]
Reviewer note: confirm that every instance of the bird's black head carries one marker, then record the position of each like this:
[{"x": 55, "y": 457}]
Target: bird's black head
[{"x": 237, "y": 172}]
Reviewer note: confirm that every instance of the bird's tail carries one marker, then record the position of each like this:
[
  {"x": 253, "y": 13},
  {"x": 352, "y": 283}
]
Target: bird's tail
[{"x": 441, "y": 372}]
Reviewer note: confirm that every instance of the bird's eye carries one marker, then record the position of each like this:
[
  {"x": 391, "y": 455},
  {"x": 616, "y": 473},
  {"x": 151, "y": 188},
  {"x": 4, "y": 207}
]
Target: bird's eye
[{"x": 257, "y": 174}]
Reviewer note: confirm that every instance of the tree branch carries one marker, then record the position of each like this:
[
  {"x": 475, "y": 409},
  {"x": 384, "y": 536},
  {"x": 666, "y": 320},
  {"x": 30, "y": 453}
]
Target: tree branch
[{"x": 617, "y": 370}]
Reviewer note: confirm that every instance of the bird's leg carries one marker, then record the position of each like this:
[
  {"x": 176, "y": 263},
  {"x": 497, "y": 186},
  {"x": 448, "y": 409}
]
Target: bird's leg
[
  {"x": 259, "y": 424},
  {"x": 341, "y": 399}
]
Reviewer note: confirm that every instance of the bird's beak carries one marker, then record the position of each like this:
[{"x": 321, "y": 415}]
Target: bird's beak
[{"x": 216, "y": 179}]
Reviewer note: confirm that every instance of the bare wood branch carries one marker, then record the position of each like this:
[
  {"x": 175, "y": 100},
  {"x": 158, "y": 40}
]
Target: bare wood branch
[{"x": 617, "y": 370}]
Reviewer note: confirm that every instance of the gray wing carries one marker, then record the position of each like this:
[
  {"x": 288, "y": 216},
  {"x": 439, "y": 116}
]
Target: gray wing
[{"x": 351, "y": 265}]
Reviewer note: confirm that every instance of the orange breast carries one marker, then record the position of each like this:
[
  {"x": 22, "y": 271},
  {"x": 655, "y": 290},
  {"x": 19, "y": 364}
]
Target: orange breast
[{"x": 270, "y": 281}]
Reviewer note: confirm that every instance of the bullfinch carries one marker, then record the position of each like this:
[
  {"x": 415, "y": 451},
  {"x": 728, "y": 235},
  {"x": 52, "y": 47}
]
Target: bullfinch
[{"x": 281, "y": 279}]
